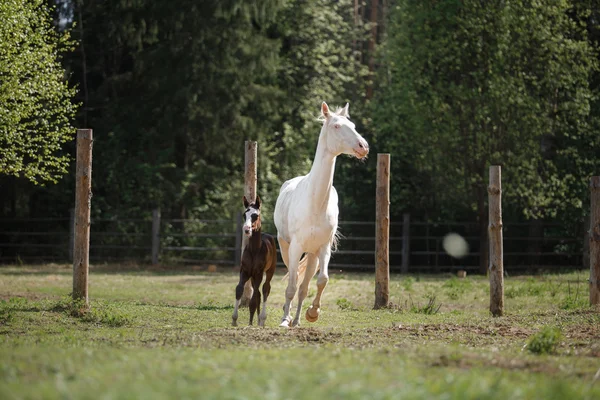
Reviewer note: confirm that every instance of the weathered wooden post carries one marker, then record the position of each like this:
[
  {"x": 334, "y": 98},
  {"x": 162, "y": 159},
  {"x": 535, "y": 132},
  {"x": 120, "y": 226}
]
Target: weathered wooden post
[
  {"x": 83, "y": 204},
  {"x": 250, "y": 166},
  {"x": 496, "y": 260},
  {"x": 382, "y": 233},
  {"x": 405, "y": 243},
  {"x": 155, "y": 235},
  {"x": 238, "y": 240},
  {"x": 250, "y": 179},
  {"x": 595, "y": 241},
  {"x": 71, "y": 233}
]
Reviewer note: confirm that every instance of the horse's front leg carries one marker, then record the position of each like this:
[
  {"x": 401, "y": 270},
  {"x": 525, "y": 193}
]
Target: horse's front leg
[
  {"x": 247, "y": 295},
  {"x": 294, "y": 254},
  {"x": 311, "y": 267},
  {"x": 262, "y": 317},
  {"x": 239, "y": 290},
  {"x": 312, "y": 313},
  {"x": 255, "y": 299}
]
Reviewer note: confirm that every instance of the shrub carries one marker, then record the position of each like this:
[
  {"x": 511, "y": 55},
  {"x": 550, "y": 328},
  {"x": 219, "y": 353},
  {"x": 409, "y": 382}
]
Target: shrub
[{"x": 545, "y": 341}]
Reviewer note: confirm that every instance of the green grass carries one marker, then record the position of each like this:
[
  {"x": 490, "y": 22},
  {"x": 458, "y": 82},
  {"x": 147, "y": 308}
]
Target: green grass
[{"x": 168, "y": 334}]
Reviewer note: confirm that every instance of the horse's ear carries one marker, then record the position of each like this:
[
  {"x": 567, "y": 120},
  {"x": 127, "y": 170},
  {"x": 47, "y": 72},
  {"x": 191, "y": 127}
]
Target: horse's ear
[
  {"x": 257, "y": 202},
  {"x": 246, "y": 204},
  {"x": 345, "y": 112},
  {"x": 325, "y": 110}
]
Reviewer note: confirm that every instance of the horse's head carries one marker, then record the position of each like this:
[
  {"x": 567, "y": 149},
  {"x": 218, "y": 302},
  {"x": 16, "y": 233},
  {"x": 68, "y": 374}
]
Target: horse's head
[
  {"x": 251, "y": 216},
  {"x": 342, "y": 137}
]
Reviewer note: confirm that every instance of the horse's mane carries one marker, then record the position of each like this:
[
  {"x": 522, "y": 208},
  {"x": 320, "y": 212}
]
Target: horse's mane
[{"x": 321, "y": 117}]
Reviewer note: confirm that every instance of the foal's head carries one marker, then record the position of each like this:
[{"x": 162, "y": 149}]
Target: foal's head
[
  {"x": 342, "y": 137},
  {"x": 251, "y": 216}
]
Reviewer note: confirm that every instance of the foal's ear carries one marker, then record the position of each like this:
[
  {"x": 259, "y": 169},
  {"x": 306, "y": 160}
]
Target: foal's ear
[
  {"x": 325, "y": 110},
  {"x": 344, "y": 112},
  {"x": 246, "y": 204},
  {"x": 257, "y": 202}
]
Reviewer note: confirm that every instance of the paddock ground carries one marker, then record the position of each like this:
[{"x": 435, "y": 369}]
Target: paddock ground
[{"x": 166, "y": 333}]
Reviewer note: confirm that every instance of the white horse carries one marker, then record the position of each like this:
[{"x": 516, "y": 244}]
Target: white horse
[{"x": 306, "y": 213}]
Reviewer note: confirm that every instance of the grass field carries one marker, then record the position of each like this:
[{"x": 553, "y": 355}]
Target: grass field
[{"x": 167, "y": 334}]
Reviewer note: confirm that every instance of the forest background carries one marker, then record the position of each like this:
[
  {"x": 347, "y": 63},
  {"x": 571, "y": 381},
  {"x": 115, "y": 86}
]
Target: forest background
[{"x": 172, "y": 89}]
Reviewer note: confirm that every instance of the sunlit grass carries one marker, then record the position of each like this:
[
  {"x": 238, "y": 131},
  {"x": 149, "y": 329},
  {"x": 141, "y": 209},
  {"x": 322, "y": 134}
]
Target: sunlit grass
[{"x": 168, "y": 334}]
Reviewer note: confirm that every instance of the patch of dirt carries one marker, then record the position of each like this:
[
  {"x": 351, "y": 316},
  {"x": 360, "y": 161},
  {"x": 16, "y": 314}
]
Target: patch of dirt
[
  {"x": 261, "y": 336},
  {"x": 495, "y": 330}
]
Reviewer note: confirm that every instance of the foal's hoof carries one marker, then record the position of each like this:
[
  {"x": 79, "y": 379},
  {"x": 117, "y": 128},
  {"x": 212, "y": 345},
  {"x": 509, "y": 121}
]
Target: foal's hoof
[
  {"x": 234, "y": 323},
  {"x": 312, "y": 314}
]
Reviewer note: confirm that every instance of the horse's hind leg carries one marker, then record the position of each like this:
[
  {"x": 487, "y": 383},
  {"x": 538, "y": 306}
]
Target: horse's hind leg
[
  {"x": 239, "y": 290},
  {"x": 294, "y": 254},
  {"x": 266, "y": 291},
  {"x": 255, "y": 300},
  {"x": 311, "y": 267},
  {"x": 312, "y": 313}
]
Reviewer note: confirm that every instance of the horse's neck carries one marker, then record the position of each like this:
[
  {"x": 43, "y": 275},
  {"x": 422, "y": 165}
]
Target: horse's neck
[
  {"x": 320, "y": 178},
  {"x": 255, "y": 240}
]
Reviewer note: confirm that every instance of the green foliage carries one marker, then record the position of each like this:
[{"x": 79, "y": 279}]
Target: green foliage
[
  {"x": 36, "y": 109},
  {"x": 344, "y": 304},
  {"x": 98, "y": 312},
  {"x": 8, "y": 307},
  {"x": 432, "y": 307},
  {"x": 503, "y": 83},
  {"x": 174, "y": 90},
  {"x": 407, "y": 283},
  {"x": 545, "y": 341},
  {"x": 455, "y": 287},
  {"x": 574, "y": 299}
]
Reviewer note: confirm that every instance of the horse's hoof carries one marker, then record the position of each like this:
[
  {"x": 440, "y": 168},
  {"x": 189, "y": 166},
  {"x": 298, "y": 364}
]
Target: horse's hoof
[
  {"x": 285, "y": 323},
  {"x": 295, "y": 323},
  {"x": 234, "y": 323},
  {"x": 312, "y": 314}
]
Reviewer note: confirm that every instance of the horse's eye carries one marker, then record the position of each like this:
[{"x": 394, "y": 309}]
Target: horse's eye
[
  {"x": 337, "y": 126},
  {"x": 254, "y": 217}
]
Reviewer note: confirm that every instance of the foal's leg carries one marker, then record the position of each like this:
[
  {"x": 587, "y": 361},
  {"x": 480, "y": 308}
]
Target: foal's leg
[
  {"x": 266, "y": 290},
  {"x": 294, "y": 254},
  {"x": 311, "y": 267},
  {"x": 239, "y": 290},
  {"x": 255, "y": 299},
  {"x": 312, "y": 313},
  {"x": 245, "y": 301}
]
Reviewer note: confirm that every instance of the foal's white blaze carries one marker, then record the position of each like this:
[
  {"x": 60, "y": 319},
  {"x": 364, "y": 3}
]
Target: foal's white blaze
[{"x": 247, "y": 227}]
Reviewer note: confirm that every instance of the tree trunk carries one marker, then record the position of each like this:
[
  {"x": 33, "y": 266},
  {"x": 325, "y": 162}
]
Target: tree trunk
[{"x": 372, "y": 43}]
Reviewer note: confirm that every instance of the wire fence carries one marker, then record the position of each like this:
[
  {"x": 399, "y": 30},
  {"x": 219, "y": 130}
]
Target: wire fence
[{"x": 209, "y": 241}]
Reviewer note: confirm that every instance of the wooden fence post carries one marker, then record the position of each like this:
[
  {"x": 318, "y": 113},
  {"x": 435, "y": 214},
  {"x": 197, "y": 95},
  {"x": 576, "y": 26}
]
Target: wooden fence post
[
  {"x": 382, "y": 233},
  {"x": 595, "y": 241},
  {"x": 496, "y": 260},
  {"x": 250, "y": 179},
  {"x": 155, "y": 235},
  {"x": 405, "y": 243},
  {"x": 250, "y": 171},
  {"x": 71, "y": 233},
  {"x": 238, "y": 240},
  {"x": 83, "y": 204}
]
